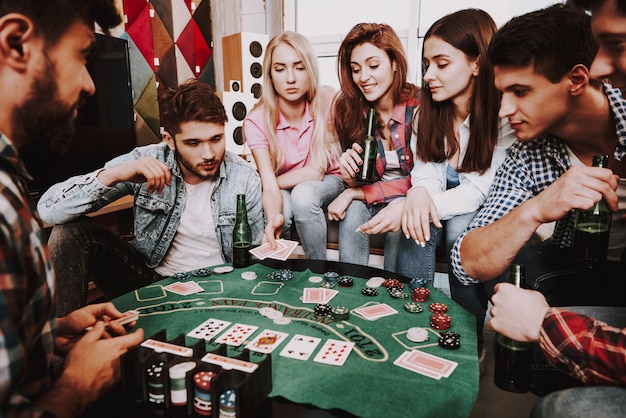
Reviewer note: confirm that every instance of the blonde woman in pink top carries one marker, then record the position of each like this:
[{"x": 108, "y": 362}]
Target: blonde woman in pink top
[{"x": 293, "y": 144}]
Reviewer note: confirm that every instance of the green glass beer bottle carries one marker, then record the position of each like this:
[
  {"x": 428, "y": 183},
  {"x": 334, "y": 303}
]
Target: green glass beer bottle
[
  {"x": 242, "y": 235},
  {"x": 591, "y": 233},
  {"x": 370, "y": 150},
  {"x": 512, "y": 365}
]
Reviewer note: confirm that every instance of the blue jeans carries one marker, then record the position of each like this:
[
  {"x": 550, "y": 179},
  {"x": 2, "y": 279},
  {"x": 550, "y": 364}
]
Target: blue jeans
[
  {"x": 305, "y": 205},
  {"x": 354, "y": 247},
  {"x": 86, "y": 250},
  {"x": 584, "y": 402}
]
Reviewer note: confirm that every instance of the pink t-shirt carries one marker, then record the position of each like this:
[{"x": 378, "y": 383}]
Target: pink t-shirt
[{"x": 295, "y": 142}]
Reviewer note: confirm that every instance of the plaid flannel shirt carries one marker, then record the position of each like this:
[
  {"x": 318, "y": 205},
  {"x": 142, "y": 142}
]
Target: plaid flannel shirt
[
  {"x": 530, "y": 167},
  {"x": 401, "y": 127},
  {"x": 27, "y": 299},
  {"x": 585, "y": 348}
]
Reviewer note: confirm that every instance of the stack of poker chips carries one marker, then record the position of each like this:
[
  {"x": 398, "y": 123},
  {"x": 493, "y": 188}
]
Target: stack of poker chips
[
  {"x": 440, "y": 321},
  {"x": 417, "y": 334},
  {"x": 417, "y": 282},
  {"x": 281, "y": 275},
  {"x": 322, "y": 309},
  {"x": 369, "y": 291},
  {"x": 340, "y": 313},
  {"x": 178, "y": 389},
  {"x": 420, "y": 294},
  {"x": 438, "y": 307},
  {"x": 413, "y": 307},
  {"x": 345, "y": 281},
  {"x": 202, "y": 402},
  {"x": 228, "y": 404},
  {"x": 156, "y": 389},
  {"x": 450, "y": 340}
]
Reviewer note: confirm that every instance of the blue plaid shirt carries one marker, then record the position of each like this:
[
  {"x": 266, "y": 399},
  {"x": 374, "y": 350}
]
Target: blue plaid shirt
[
  {"x": 27, "y": 299},
  {"x": 530, "y": 167}
]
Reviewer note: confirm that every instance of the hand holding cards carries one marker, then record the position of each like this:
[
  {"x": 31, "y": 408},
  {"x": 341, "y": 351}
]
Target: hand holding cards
[{"x": 284, "y": 249}]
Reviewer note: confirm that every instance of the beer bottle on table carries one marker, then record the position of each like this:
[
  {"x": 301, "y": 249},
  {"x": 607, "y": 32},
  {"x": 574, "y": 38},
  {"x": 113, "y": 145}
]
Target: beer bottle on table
[
  {"x": 242, "y": 235},
  {"x": 512, "y": 366},
  {"x": 370, "y": 150},
  {"x": 591, "y": 233}
]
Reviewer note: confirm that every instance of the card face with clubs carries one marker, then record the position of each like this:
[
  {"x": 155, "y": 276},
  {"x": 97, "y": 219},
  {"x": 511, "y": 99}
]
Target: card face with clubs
[
  {"x": 334, "y": 352},
  {"x": 236, "y": 334},
  {"x": 374, "y": 312},
  {"x": 208, "y": 329},
  {"x": 300, "y": 347},
  {"x": 267, "y": 341}
]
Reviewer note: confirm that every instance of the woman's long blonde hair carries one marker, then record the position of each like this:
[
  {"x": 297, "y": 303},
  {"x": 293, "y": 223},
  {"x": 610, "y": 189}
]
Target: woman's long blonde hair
[{"x": 324, "y": 145}]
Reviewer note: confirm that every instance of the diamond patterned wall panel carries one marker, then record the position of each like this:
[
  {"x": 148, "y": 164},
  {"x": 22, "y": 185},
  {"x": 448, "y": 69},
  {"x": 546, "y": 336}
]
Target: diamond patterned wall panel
[{"x": 169, "y": 42}]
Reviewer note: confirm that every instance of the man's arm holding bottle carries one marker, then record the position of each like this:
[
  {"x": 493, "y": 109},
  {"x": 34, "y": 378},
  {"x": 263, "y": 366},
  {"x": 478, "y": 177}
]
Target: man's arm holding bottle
[
  {"x": 485, "y": 251},
  {"x": 583, "y": 347}
]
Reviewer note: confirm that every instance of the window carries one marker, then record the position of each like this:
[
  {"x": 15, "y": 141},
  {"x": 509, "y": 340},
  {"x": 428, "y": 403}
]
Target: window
[{"x": 325, "y": 23}]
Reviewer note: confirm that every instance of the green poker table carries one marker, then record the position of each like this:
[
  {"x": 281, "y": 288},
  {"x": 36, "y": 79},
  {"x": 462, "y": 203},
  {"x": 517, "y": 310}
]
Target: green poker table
[{"x": 368, "y": 384}]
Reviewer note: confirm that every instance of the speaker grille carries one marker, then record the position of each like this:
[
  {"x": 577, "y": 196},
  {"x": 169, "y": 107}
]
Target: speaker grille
[
  {"x": 238, "y": 135},
  {"x": 256, "y": 70},
  {"x": 256, "y": 49},
  {"x": 239, "y": 111},
  {"x": 257, "y": 90}
]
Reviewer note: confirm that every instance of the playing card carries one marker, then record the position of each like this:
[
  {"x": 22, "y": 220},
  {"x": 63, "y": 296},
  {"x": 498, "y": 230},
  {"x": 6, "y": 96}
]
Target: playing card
[
  {"x": 184, "y": 288},
  {"x": 300, "y": 347},
  {"x": 313, "y": 295},
  {"x": 374, "y": 312},
  {"x": 128, "y": 316},
  {"x": 328, "y": 294},
  {"x": 208, "y": 329},
  {"x": 236, "y": 334},
  {"x": 437, "y": 364},
  {"x": 334, "y": 352},
  {"x": 402, "y": 362},
  {"x": 267, "y": 341},
  {"x": 284, "y": 250},
  {"x": 262, "y": 252}
]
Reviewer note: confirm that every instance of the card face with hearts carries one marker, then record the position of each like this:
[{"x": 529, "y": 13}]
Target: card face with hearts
[
  {"x": 334, "y": 352},
  {"x": 236, "y": 334},
  {"x": 184, "y": 288},
  {"x": 267, "y": 341},
  {"x": 374, "y": 312},
  {"x": 300, "y": 347},
  {"x": 208, "y": 329}
]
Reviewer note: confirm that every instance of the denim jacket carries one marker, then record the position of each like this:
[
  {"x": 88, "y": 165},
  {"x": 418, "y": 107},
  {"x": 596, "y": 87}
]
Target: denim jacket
[{"x": 156, "y": 216}]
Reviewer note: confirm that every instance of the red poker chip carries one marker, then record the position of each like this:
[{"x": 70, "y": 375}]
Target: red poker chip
[
  {"x": 203, "y": 379},
  {"x": 420, "y": 294},
  {"x": 437, "y": 307},
  {"x": 392, "y": 283},
  {"x": 440, "y": 321}
]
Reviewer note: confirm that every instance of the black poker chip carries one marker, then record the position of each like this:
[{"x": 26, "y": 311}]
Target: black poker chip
[
  {"x": 182, "y": 275},
  {"x": 322, "y": 309},
  {"x": 282, "y": 275},
  {"x": 345, "y": 281},
  {"x": 449, "y": 340},
  {"x": 202, "y": 272},
  {"x": 369, "y": 291}
]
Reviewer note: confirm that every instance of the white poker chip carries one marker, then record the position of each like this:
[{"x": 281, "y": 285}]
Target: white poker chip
[
  {"x": 417, "y": 334},
  {"x": 223, "y": 269},
  {"x": 375, "y": 282},
  {"x": 283, "y": 320},
  {"x": 248, "y": 275},
  {"x": 266, "y": 311},
  {"x": 316, "y": 279}
]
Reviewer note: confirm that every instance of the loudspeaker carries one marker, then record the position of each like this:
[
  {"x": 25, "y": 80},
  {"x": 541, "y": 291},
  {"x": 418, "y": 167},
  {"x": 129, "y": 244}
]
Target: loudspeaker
[
  {"x": 237, "y": 106},
  {"x": 242, "y": 54}
]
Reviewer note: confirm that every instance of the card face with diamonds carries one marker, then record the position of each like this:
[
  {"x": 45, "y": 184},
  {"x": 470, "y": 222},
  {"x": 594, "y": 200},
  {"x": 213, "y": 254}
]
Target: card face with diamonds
[
  {"x": 334, "y": 352},
  {"x": 267, "y": 341},
  {"x": 208, "y": 329},
  {"x": 236, "y": 334},
  {"x": 300, "y": 347}
]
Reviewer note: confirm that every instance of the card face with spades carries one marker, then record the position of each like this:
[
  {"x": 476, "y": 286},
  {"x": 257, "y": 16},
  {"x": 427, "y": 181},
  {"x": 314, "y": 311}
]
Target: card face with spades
[{"x": 300, "y": 347}]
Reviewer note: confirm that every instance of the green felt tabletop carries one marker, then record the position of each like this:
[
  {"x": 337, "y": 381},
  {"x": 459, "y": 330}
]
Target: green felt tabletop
[{"x": 369, "y": 384}]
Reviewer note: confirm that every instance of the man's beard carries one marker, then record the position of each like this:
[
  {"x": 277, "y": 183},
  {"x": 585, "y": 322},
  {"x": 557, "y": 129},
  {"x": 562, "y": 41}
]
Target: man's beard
[
  {"x": 186, "y": 164},
  {"x": 43, "y": 117}
]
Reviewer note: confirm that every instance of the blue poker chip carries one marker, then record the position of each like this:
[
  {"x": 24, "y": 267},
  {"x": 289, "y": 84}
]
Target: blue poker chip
[
  {"x": 331, "y": 276},
  {"x": 417, "y": 282},
  {"x": 202, "y": 272},
  {"x": 182, "y": 275}
]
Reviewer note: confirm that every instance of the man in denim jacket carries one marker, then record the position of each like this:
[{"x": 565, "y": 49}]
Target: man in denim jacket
[{"x": 185, "y": 202}]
